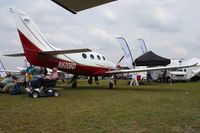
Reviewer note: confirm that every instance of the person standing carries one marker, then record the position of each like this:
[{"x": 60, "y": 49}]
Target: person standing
[{"x": 134, "y": 80}]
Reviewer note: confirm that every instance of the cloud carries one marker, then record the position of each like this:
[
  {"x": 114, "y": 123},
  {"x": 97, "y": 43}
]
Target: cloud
[
  {"x": 162, "y": 15},
  {"x": 110, "y": 15},
  {"x": 61, "y": 39},
  {"x": 100, "y": 33}
]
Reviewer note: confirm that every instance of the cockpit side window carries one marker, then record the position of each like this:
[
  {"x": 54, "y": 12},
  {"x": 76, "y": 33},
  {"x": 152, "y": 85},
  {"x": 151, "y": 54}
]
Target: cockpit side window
[
  {"x": 98, "y": 57},
  {"x": 104, "y": 58},
  {"x": 91, "y": 56},
  {"x": 84, "y": 55}
]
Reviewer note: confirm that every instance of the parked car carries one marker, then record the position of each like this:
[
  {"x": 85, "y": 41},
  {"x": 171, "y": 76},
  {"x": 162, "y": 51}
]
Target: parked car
[{"x": 176, "y": 74}]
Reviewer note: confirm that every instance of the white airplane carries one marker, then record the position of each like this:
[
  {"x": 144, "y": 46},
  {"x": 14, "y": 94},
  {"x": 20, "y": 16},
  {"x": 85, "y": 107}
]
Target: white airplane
[{"x": 85, "y": 62}]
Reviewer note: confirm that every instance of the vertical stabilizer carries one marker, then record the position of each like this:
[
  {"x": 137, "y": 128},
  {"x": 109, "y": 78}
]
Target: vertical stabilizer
[{"x": 31, "y": 37}]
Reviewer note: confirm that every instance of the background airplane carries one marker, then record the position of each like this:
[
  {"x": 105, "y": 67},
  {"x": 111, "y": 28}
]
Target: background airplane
[{"x": 40, "y": 52}]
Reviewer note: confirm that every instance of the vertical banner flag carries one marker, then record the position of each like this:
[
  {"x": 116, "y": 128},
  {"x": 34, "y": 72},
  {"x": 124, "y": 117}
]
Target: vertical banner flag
[
  {"x": 2, "y": 70},
  {"x": 142, "y": 45},
  {"x": 128, "y": 56}
]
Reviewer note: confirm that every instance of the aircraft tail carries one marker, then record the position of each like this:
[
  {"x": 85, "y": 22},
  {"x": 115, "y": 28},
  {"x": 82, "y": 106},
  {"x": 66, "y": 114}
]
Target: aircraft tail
[{"x": 31, "y": 38}]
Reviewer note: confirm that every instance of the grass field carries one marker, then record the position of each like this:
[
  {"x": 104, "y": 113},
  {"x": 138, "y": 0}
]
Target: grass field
[{"x": 154, "y": 108}]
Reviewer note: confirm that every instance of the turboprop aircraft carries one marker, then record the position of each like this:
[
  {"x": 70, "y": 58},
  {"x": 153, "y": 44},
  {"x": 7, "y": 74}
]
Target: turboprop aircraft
[{"x": 40, "y": 52}]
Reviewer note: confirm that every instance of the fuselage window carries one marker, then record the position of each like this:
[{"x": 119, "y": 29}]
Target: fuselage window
[
  {"x": 91, "y": 56},
  {"x": 84, "y": 56},
  {"x": 98, "y": 57},
  {"x": 104, "y": 58}
]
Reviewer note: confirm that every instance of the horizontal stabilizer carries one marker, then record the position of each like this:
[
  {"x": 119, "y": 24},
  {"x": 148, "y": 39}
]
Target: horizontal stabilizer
[
  {"x": 56, "y": 52},
  {"x": 15, "y": 55},
  {"x": 75, "y": 6}
]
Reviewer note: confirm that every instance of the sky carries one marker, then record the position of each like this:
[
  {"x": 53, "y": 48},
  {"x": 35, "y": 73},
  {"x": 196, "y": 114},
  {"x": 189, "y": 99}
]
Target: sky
[{"x": 170, "y": 28}]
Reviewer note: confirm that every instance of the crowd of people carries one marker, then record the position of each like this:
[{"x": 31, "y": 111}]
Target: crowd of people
[
  {"x": 8, "y": 82},
  {"x": 32, "y": 77}
]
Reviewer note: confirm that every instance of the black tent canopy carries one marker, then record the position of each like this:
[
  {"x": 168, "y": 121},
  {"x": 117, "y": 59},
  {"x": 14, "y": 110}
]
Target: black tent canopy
[{"x": 151, "y": 59}]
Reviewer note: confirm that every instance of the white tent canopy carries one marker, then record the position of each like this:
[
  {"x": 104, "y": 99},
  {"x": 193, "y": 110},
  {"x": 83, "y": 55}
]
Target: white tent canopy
[{"x": 192, "y": 71}]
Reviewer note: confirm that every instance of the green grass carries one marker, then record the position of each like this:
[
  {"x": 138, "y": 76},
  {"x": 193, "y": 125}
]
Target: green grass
[{"x": 153, "y": 108}]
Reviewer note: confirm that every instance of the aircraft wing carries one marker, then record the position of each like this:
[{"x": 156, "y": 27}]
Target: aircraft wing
[
  {"x": 56, "y": 52},
  {"x": 148, "y": 69},
  {"x": 75, "y": 6}
]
